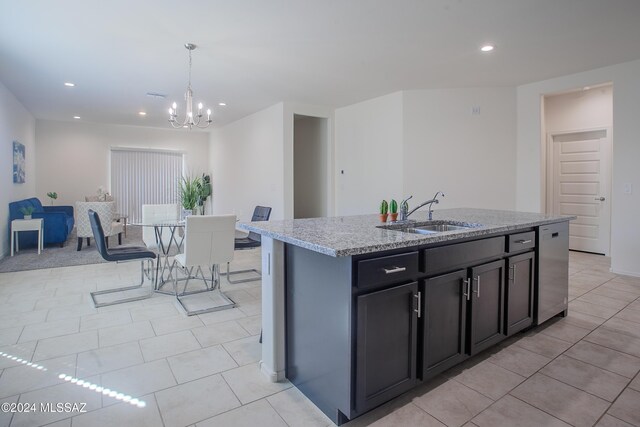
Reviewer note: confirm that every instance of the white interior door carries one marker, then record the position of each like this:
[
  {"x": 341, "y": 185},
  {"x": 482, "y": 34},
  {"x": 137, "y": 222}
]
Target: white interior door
[{"x": 580, "y": 174}]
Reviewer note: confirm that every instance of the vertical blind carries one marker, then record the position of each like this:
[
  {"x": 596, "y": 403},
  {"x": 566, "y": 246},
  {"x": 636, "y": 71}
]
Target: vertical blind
[{"x": 144, "y": 177}]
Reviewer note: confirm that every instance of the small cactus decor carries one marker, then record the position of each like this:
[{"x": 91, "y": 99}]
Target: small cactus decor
[
  {"x": 384, "y": 211},
  {"x": 393, "y": 209}
]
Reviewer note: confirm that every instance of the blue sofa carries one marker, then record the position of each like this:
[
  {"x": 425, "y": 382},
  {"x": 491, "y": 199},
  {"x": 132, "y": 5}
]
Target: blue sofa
[{"x": 58, "y": 222}]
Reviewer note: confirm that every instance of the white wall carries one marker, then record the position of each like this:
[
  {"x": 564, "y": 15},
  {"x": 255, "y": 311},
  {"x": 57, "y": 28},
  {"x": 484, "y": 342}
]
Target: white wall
[
  {"x": 421, "y": 141},
  {"x": 73, "y": 157},
  {"x": 311, "y": 167},
  {"x": 16, "y": 124},
  {"x": 246, "y": 161},
  {"x": 579, "y": 110},
  {"x": 625, "y": 232},
  {"x": 470, "y": 157},
  {"x": 368, "y": 143}
]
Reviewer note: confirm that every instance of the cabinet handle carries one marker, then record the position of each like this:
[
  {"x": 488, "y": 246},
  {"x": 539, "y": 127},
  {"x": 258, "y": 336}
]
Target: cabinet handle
[
  {"x": 524, "y": 242},
  {"x": 419, "y": 310},
  {"x": 468, "y": 293},
  {"x": 394, "y": 270},
  {"x": 512, "y": 268},
  {"x": 478, "y": 291}
]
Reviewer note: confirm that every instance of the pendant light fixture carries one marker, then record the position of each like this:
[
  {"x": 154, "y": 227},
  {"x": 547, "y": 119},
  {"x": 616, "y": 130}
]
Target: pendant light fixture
[{"x": 191, "y": 118}]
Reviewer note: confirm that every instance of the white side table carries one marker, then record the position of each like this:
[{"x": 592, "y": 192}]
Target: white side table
[{"x": 27, "y": 225}]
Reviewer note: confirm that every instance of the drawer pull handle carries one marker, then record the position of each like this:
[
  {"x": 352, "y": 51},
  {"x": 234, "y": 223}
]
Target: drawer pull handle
[
  {"x": 513, "y": 279},
  {"x": 468, "y": 293},
  {"x": 524, "y": 242},
  {"x": 394, "y": 270},
  {"x": 419, "y": 310}
]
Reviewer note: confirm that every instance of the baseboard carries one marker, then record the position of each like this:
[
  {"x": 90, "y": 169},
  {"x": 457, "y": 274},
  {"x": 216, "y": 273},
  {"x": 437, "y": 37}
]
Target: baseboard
[
  {"x": 274, "y": 377},
  {"x": 625, "y": 273}
]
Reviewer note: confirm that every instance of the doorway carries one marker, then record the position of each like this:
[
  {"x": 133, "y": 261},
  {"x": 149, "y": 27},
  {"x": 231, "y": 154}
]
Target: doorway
[
  {"x": 310, "y": 167},
  {"x": 578, "y": 178}
]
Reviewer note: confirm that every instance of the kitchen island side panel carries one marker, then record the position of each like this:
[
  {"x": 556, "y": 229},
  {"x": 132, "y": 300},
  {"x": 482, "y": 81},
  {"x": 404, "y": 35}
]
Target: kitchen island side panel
[{"x": 318, "y": 328}]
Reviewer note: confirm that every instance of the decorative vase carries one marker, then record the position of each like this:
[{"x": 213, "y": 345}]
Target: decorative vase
[
  {"x": 383, "y": 217},
  {"x": 394, "y": 216},
  {"x": 185, "y": 213}
]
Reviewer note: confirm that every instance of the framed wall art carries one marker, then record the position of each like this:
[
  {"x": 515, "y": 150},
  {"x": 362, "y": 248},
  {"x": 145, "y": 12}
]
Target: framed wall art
[{"x": 19, "y": 164}]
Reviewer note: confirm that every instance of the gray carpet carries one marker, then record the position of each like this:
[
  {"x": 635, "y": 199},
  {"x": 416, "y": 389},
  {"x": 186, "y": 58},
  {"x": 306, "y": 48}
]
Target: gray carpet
[{"x": 55, "y": 256}]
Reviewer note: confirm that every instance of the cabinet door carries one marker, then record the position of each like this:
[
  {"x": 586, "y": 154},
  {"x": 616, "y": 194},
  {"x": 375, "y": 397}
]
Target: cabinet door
[
  {"x": 519, "y": 291},
  {"x": 445, "y": 307},
  {"x": 386, "y": 345},
  {"x": 487, "y": 306}
]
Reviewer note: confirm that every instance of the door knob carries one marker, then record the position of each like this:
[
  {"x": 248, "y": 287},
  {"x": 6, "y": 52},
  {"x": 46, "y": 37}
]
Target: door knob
[{"x": 601, "y": 199}]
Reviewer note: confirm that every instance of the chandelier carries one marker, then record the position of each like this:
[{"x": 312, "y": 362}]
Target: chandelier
[{"x": 191, "y": 119}]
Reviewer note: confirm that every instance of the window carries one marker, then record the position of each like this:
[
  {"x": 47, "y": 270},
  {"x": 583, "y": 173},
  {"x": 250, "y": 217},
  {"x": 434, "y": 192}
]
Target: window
[{"x": 144, "y": 177}]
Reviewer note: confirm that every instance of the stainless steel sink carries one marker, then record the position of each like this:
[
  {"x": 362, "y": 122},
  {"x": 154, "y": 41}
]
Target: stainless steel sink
[
  {"x": 436, "y": 228},
  {"x": 431, "y": 227}
]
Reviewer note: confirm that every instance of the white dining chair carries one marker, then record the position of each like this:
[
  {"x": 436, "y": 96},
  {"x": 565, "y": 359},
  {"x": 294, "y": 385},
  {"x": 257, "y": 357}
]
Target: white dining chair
[{"x": 209, "y": 243}]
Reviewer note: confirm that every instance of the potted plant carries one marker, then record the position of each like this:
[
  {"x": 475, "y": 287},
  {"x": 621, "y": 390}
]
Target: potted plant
[
  {"x": 53, "y": 196},
  {"x": 27, "y": 211},
  {"x": 393, "y": 209},
  {"x": 384, "y": 211},
  {"x": 189, "y": 191},
  {"x": 204, "y": 191}
]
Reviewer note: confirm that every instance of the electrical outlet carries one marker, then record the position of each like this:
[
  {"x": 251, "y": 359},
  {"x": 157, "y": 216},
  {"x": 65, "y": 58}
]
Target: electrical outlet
[
  {"x": 627, "y": 188},
  {"x": 475, "y": 110}
]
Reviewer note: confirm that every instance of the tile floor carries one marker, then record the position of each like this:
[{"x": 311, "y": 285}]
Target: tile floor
[{"x": 202, "y": 370}]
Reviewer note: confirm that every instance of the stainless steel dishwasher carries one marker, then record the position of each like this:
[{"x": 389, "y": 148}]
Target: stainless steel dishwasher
[{"x": 553, "y": 270}]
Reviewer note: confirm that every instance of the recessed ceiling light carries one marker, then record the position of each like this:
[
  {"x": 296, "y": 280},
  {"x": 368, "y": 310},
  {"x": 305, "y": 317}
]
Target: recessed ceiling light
[
  {"x": 487, "y": 48},
  {"x": 69, "y": 84},
  {"x": 142, "y": 113},
  {"x": 222, "y": 104},
  {"x": 76, "y": 117}
]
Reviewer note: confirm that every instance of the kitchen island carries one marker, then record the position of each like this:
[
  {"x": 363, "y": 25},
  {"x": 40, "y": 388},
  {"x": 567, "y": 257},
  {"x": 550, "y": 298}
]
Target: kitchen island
[{"x": 355, "y": 313}]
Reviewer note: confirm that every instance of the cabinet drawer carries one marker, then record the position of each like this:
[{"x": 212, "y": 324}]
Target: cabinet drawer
[
  {"x": 462, "y": 255},
  {"x": 521, "y": 241},
  {"x": 386, "y": 270}
]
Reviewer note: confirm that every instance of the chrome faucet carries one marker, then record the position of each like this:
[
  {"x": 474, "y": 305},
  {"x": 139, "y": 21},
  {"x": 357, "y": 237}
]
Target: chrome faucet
[{"x": 404, "y": 207}]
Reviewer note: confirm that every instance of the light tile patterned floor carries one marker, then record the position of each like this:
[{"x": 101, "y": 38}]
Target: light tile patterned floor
[{"x": 202, "y": 370}]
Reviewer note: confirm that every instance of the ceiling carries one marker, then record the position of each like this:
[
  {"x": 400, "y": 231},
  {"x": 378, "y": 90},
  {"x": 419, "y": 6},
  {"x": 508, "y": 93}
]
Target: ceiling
[{"x": 255, "y": 53}]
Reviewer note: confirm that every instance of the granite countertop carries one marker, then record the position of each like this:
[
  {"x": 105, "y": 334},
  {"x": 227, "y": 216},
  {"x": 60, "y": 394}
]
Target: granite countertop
[{"x": 359, "y": 234}]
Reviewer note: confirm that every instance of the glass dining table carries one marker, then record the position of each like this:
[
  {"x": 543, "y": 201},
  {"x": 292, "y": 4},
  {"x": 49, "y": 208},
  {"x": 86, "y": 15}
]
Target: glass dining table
[{"x": 169, "y": 235}]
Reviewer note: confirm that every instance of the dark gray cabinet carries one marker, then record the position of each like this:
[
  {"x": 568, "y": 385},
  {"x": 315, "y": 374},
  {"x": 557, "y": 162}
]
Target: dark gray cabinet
[
  {"x": 487, "y": 306},
  {"x": 386, "y": 344},
  {"x": 444, "y": 313},
  {"x": 387, "y": 336},
  {"x": 519, "y": 292}
]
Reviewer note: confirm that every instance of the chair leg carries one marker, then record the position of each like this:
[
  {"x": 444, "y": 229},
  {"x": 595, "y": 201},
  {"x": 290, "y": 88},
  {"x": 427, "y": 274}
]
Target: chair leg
[
  {"x": 106, "y": 241},
  {"x": 119, "y": 238},
  {"x": 126, "y": 288},
  {"x": 88, "y": 241},
  {"x": 251, "y": 279},
  {"x": 79, "y": 244},
  {"x": 199, "y": 274}
]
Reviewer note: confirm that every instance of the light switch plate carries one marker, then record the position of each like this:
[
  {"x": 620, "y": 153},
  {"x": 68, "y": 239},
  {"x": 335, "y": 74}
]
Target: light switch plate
[{"x": 627, "y": 188}]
